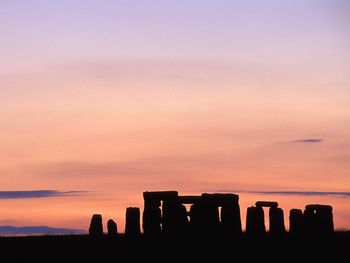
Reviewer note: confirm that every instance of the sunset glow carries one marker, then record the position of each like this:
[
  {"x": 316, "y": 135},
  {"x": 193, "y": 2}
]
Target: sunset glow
[{"x": 113, "y": 98}]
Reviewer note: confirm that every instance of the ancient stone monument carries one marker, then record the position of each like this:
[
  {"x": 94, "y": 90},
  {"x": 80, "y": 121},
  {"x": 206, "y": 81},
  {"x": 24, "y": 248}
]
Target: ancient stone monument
[
  {"x": 96, "y": 227},
  {"x": 132, "y": 222},
  {"x": 255, "y": 224},
  {"x": 296, "y": 227},
  {"x": 204, "y": 217},
  {"x": 318, "y": 220},
  {"x": 165, "y": 212},
  {"x": 112, "y": 229}
]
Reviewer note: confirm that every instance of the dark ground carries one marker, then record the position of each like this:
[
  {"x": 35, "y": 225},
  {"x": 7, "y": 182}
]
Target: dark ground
[{"x": 168, "y": 249}]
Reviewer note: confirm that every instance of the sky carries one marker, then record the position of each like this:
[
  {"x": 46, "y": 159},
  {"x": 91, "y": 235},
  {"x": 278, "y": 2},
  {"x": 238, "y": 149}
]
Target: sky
[{"x": 102, "y": 100}]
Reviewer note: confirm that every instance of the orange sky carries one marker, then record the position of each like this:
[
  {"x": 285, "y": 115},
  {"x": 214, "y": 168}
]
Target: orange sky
[{"x": 116, "y": 99}]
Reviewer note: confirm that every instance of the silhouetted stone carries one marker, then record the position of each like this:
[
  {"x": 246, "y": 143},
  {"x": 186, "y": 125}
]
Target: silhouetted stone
[
  {"x": 174, "y": 217},
  {"x": 231, "y": 218},
  {"x": 196, "y": 218},
  {"x": 296, "y": 222},
  {"x": 309, "y": 222},
  {"x": 152, "y": 216},
  {"x": 211, "y": 218},
  {"x": 318, "y": 220},
  {"x": 96, "y": 227},
  {"x": 277, "y": 228},
  {"x": 132, "y": 224},
  {"x": 255, "y": 222},
  {"x": 112, "y": 229},
  {"x": 266, "y": 204}
]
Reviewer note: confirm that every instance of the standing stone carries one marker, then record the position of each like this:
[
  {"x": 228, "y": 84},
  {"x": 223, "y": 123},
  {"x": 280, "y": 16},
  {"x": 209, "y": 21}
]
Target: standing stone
[
  {"x": 211, "y": 218},
  {"x": 231, "y": 219},
  {"x": 318, "y": 220},
  {"x": 112, "y": 229},
  {"x": 255, "y": 222},
  {"x": 96, "y": 227},
  {"x": 296, "y": 222},
  {"x": 132, "y": 224},
  {"x": 325, "y": 220},
  {"x": 277, "y": 228},
  {"x": 174, "y": 217},
  {"x": 152, "y": 217},
  {"x": 196, "y": 216},
  {"x": 309, "y": 222}
]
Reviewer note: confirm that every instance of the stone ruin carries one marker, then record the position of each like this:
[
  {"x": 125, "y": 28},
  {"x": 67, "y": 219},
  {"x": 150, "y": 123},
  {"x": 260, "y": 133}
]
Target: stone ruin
[
  {"x": 112, "y": 228},
  {"x": 317, "y": 220},
  {"x": 255, "y": 220},
  {"x": 96, "y": 227},
  {"x": 132, "y": 222},
  {"x": 166, "y": 212}
]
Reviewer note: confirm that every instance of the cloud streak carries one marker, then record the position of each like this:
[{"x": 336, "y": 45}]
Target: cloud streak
[
  {"x": 309, "y": 140},
  {"x": 38, "y": 230},
  {"x": 36, "y": 194},
  {"x": 290, "y": 193}
]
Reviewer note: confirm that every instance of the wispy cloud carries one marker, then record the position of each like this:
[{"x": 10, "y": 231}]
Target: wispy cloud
[
  {"x": 308, "y": 140},
  {"x": 296, "y": 193},
  {"x": 36, "y": 194},
  {"x": 38, "y": 230}
]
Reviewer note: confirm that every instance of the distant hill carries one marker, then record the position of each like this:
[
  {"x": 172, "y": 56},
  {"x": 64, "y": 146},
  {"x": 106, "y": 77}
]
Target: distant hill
[{"x": 37, "y": 230}]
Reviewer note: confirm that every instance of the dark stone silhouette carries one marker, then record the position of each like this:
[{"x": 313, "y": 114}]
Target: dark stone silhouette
[
  {"x": 266, "y": 204},
  {"x": 231, "y": 217},
  {"x": 219, "y": 214},
  {"x": 318, "y": 220},
  {"x": 112, "y": 229},
  {"x": 132, "y": 222},
  {"x": 174, "y": 217},
  {"x": 204, "y": 213},
  {"x": 277, "y": 228},
  {"x": 152, "y": 216},
  {"x": 255, "y": 222},
  {"x": 296, "y": 227},
  {"x": 96, "y": 227}
]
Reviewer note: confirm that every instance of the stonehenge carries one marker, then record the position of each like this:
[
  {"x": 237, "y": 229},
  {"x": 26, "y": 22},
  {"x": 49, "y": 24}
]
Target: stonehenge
[
  {"x": 255, "y": 220},
  {"x": 166, "y": 212}
]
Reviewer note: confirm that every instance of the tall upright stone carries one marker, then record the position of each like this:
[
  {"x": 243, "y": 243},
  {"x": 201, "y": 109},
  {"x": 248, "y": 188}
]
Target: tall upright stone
[
  {"x": 132, "y": 224},
  {"x": 309, "y": 222},
  {"x": 255, "y": 221},
  {"x": 318, "y": 220},
  {"x": 296, "y": 222},
  {"x": 151, "y": 217},
  {"x": 231, "y": 218},
  {"x": 152, "y": 220},
  {"x": 325, "y": 220},
  {"x": 112, "y": 228},
  {"x": 174, "y": 217},
  {"x": 96, "y": 227},
  {"x": 277, "y": 227},
  {"x": 196, "y": 218}
]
